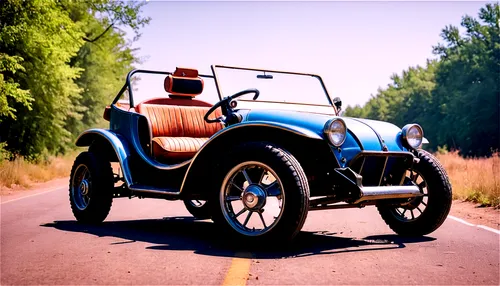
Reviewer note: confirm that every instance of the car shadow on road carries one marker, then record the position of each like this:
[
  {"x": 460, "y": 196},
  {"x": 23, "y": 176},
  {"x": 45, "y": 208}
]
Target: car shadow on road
[{"x": 205, "y": 238}]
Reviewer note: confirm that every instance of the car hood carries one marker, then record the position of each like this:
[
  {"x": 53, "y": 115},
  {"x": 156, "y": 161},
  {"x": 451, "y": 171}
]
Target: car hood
[{"x": 362, "y": 133}]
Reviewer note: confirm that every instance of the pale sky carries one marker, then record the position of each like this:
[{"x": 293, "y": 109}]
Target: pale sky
[{"x": 354, "y": 46}]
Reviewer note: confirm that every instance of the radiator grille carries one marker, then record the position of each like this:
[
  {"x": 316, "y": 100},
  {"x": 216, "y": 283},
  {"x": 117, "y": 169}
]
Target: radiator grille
[{"x": 382, "y": 168}]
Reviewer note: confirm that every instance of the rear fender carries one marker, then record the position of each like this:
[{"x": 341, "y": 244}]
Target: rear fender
[{"x": 108, "y": 140}]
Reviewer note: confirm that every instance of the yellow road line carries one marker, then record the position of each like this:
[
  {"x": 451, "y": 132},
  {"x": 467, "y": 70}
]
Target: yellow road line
[{"x": 239, "y": 270}]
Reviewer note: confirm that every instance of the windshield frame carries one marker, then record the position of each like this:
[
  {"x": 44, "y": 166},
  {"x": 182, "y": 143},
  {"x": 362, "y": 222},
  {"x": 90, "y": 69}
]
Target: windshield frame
[
  {"x": 128, "y": 83},
  {"x": 217, "y": 83}
]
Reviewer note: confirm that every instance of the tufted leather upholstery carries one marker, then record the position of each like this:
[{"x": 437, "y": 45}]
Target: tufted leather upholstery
[
  {"x": 176, "y": 101},
  {"x": 178, "y": 131}
]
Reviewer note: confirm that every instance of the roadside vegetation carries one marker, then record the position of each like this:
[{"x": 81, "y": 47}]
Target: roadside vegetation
[
  {"x": 473, "y": 179},
  {"x": 455, "y": 97},
  {"x": 20, "y": 173},
  {"x": 61, "y": 62}
]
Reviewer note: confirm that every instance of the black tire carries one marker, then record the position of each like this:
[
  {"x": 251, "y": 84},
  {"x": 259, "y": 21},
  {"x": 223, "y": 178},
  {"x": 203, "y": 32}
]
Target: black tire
[
  {"x": 438, "y": 204},
  {"x": 99, "y": 185},
  {"x": 199, "y": 212},
  {"x": 294, "y": 185}
]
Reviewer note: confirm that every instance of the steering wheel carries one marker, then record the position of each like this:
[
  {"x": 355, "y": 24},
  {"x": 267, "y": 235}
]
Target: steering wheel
[{"x": 226, "y": 108}]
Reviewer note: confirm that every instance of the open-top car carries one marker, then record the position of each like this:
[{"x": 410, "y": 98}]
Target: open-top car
[{"x": 254, "y": 150}]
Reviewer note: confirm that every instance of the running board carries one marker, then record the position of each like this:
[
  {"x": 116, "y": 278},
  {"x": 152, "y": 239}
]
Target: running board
[
  {"x": 388, "y": 192},
  {"x": 136, "y": 188}
]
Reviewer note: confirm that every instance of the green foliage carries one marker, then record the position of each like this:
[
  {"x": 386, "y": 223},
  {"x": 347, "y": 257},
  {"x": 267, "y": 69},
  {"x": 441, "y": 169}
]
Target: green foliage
[
  {"x": 60, "y": 62},
  {"x": 103, "y": 76},
  {"x": 44, "y": 37},
  {"x": 9, "y": 89},
  {"x": 442, "y": 150},
  {"x": 483, "y": 199},
  {"x": 455, "y": 98}
]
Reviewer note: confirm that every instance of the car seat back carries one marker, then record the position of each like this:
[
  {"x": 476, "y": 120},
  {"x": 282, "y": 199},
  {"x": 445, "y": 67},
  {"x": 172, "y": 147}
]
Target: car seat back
[
  {"x": 178, "y": 121},
  {"x": 180, "y": 115}
]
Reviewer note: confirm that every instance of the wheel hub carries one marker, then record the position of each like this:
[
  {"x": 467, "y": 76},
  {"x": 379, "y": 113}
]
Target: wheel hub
[
  {"x": 254, "y": 197},
  {"x": 84, "y": 188}
]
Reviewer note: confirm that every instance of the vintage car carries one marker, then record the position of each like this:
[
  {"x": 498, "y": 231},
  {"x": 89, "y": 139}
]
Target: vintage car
[{"x": 257, "y": 161}]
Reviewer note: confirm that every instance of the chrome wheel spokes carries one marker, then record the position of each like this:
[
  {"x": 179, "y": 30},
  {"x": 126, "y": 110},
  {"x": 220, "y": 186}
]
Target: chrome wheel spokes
[
  {"x": 252, "y": 198},
  {"x": 81, "y": 187},
  {"x": 416, "y": 206}
]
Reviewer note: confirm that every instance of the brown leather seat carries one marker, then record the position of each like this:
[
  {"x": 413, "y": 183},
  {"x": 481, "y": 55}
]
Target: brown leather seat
[
  {"x": 177, "y": 125},
  {"x": 181, "y": 148},
  {"x": 178, "y": 131}
]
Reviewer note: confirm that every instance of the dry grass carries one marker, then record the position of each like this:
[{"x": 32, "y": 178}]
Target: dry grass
[
  {"x": 20, "y": 173},
  {"x": 474, "y": 179}
]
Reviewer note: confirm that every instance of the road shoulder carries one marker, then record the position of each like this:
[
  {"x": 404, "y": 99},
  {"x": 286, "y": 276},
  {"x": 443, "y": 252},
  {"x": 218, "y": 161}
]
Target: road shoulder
[
  {"x": 10, "y": 194},
  {"x": 475, "y": 214}
]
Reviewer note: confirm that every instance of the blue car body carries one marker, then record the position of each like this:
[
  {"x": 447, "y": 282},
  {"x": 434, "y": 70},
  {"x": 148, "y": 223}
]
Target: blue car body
[
  {"x": 364, "y": 139},
  {"x": 277, "y": 160}
]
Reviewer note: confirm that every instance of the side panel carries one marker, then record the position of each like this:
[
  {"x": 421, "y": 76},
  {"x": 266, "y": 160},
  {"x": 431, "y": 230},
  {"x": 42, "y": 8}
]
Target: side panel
[
  {"x": 128, "y": 124},
  {"x": 116, "y": 141}
]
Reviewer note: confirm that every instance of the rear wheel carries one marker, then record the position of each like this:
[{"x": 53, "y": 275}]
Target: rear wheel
[
  {"x": 91, "y": 188},
  {"x": 263, "y": 193},
  {"x": 422, "y": 215},
  {"x": 198, "y": 208}
]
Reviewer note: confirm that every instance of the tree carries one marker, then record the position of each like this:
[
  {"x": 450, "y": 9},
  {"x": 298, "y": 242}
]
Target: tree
[
  {"x": 455, "y": 98},
  {"x": 105, "y": 57},
  {"x": 467, "y": 92},
  {"x": 50, "y": 54},
  {"x": 41, "y": 39}
]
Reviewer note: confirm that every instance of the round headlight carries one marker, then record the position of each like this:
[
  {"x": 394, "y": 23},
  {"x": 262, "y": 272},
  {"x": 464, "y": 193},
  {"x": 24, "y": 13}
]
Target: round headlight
[
  {"x": 413, "y": 135},
  {"x": 335, "y": 130}
]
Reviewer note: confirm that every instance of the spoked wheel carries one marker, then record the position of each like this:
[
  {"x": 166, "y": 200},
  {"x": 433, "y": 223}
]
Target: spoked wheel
[
  {"x": 415, "y": 207},
  {"x": 91, "y": 188},
  {"x": 424, "y": 214},
  {"x": 252, "y": 189},
  {"x": 263, "y": 195},
  {"x": 198, "y": 208},
  {"x": 81, "y": 185}
]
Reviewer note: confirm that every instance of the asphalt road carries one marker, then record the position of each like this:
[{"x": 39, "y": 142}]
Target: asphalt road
[{"x": 157, "y": 242}]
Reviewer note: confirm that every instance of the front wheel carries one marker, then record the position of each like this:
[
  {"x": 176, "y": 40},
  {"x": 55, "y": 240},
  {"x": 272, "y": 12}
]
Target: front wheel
[
  {"x": 422, "y": 215},
  {"x": 263, "y": 194},
  {"x": 91, "y": 188}
]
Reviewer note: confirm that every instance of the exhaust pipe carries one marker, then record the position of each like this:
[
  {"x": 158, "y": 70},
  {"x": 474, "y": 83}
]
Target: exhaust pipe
[{"x": 388, "y": 192}]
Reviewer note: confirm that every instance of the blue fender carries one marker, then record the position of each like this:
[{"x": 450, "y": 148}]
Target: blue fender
[{"x": 116, "y": 141}]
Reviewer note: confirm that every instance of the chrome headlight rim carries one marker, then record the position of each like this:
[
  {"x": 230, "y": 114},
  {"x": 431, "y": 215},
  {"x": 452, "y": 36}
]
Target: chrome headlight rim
[
  {"x": 404, "y": 135},
  {"x": 327, "y": 130}
]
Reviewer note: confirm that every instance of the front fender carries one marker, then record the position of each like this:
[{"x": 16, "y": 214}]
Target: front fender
[
  {"x": 298, "y": 130},
  {"x": 116, "y": 141}
]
